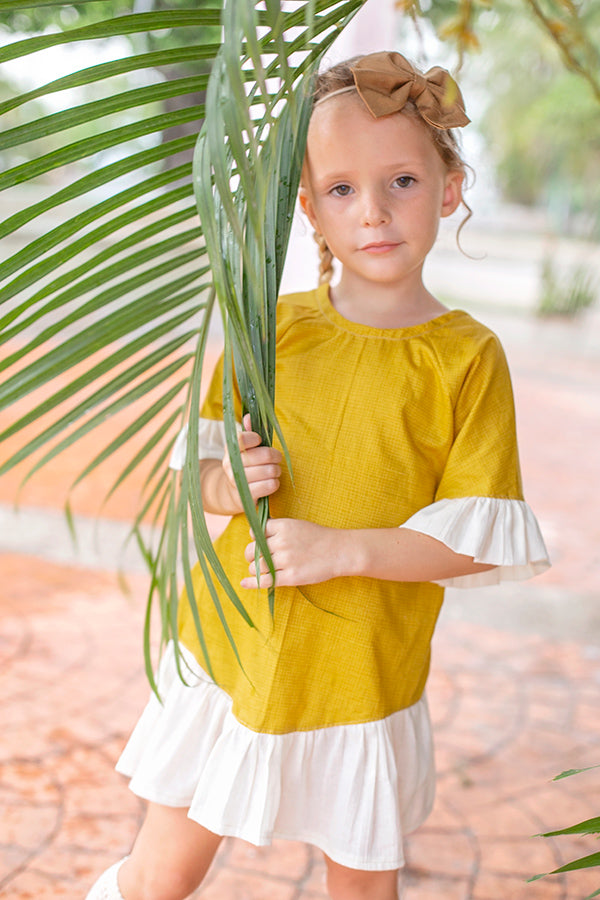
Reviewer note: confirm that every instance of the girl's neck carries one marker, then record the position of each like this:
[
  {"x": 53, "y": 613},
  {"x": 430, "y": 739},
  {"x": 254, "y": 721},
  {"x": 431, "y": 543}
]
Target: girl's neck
[{"x": 385, "y": 306}]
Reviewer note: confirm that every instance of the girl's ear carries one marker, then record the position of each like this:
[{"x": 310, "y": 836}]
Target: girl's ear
[
  {"x": 452, "y": 192},
  {"x": 307, "y": 206}
]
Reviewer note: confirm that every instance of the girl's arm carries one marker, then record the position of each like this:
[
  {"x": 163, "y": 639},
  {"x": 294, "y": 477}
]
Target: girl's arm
[
  {"x": 262, "y": 466},
  {"x": 305, "y": 553}
]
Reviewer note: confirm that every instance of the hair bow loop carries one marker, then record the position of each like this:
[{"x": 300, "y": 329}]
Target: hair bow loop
[{"x": 386, "y": 81}]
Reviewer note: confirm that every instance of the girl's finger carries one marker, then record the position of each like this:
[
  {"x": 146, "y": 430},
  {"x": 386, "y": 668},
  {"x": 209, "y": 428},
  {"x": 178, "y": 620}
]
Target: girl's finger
[
  {"x": 248, "y": 439},
  {"x": 262, "y": 472},
  {"x": 264, "y": 488},
  {"x": 252, "y": 582},
  {"x": 262, "y": 566},
  {"x": 250, "y": 557}
]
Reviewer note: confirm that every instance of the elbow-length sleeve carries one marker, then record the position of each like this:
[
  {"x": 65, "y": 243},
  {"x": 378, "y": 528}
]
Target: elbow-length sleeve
[
  {"x": 211, "y": 430},
  {"x": 479, "y": 509}
]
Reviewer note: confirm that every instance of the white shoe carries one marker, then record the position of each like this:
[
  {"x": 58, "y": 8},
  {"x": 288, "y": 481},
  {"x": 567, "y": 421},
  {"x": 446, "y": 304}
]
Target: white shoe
[{"x": 107, "y": 886}]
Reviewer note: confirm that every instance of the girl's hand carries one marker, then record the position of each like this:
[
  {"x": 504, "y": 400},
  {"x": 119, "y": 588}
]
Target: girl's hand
[
  {"x": 305, "y": 553},
  {"x": 302, "y": 552},
  {"x": 262, "y": 465}
]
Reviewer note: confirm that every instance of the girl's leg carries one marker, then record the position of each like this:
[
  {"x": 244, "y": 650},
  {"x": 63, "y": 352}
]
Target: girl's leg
[
  {"x": 170, "y": 857},
  {"x": 354, "y": 884}
]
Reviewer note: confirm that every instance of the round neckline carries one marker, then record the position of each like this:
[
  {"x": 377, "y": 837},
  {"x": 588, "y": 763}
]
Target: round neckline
[{"x": 327, "y": 308}]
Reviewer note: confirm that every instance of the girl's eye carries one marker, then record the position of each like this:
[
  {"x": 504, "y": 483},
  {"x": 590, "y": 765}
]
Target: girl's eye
[
  {"x": 341, "y": 190},
  {"x": 404, "y": 181}
]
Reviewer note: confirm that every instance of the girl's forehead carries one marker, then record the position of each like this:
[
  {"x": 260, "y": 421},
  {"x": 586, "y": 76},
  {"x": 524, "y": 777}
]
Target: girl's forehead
[
  {"x": 343, "y": 125},
  {"x": 330, "y": 110}
]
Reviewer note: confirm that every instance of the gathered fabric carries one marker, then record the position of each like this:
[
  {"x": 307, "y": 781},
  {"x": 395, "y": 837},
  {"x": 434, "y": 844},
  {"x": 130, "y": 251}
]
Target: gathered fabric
[
  {"x": 502, "y": 533},
  {"x": 353, "y": 791}
]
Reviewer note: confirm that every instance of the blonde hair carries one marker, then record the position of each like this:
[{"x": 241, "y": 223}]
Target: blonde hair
[
  {"x": 325, "y": 259},
  {"x": 339, "y": 77}
]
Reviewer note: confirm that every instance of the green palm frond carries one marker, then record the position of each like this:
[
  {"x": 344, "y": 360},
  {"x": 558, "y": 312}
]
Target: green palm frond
[
  {"x": 108, "y": 282},
  {"x": 247, "y": 168},
  {"x": 117, "y": 287}
]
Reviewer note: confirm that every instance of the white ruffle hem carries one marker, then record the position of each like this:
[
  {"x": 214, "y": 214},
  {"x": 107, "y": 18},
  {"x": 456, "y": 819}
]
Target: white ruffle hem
[{"x": 351, "y": 790}]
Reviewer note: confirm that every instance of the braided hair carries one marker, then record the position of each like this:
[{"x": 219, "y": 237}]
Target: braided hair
[{"x": 325, "y": 259}]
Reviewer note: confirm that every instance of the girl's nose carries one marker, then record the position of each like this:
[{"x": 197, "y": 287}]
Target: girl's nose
[{"x": 375, "y": 211}]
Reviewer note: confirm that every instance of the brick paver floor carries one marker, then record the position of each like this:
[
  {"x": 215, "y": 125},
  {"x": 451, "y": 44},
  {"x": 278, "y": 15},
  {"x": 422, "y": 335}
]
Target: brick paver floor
[{"x": 514, "y": 692}]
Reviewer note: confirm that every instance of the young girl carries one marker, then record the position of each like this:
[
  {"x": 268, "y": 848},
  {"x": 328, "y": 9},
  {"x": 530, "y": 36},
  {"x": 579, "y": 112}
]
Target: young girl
[{"x": 398, "y": 415}]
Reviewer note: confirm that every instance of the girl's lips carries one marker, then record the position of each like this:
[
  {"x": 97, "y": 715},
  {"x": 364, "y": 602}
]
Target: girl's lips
[{"x": 380, "y": 246}]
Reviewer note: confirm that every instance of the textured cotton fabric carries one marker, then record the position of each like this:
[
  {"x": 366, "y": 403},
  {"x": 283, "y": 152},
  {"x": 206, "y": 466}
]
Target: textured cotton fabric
[
  {"x": 486, "y": 528},
  {"x": 380, "y": 424},
  {"x": 323, "y": 735}
]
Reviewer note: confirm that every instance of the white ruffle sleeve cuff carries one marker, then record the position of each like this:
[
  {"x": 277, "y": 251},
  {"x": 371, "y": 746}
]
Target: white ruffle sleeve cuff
[
  {"x": 501, "y": 533},
  {"x": 211, "y": 442}
]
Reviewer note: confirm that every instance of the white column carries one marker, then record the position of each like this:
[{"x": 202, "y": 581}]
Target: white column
[{"x": 373, "y": 28}]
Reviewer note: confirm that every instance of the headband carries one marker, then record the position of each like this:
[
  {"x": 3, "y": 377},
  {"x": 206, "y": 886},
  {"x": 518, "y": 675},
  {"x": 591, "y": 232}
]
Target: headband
[{"x": 386, "y": 81}]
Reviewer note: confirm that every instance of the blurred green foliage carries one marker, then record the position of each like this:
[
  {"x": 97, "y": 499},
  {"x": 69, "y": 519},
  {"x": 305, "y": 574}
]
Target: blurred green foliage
[
  {"x": 542, "y": 123},
  {"x": 537, "y": 64},
  {"x": 565, "y": 293},
  {"x": 22, "y": 22},
  {"x": 35, "y": 19}
]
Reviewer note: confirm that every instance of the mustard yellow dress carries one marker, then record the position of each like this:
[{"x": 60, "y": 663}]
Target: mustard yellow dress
[{"x": 411, "y": 427}]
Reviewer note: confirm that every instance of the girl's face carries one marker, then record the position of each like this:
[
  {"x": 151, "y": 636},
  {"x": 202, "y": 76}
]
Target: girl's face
[{"x": 375, "y": 189}]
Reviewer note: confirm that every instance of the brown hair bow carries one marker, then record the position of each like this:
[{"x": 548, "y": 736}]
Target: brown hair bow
[{"x": 386, "y": 81}]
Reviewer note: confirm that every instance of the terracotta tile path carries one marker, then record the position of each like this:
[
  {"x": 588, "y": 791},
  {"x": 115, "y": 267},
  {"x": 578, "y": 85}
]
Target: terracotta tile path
[{"x": 515, "y": 689}]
